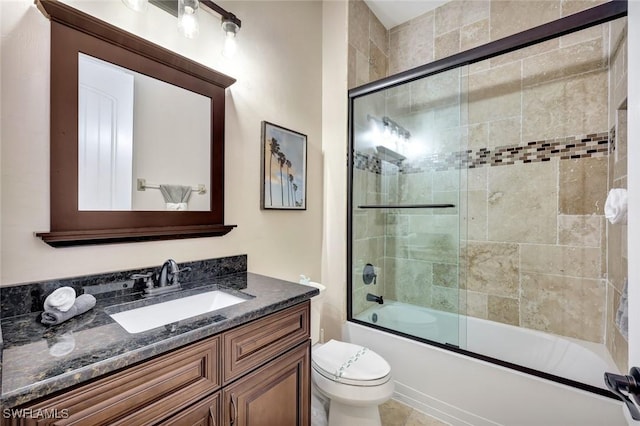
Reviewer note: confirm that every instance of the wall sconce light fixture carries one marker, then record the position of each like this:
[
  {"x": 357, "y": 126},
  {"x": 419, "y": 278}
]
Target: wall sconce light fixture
[
  {"x": 390, "y": 137},
  {"x": 390, "y": 128},
  {"x": 230, "y": 25},
  {"x": 187, "y": 13}
]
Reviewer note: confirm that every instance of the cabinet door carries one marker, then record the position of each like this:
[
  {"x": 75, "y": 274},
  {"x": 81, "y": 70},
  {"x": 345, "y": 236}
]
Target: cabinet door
[
  {"x": 204, "y": 413},
  {"x": 277, "y": 394}
]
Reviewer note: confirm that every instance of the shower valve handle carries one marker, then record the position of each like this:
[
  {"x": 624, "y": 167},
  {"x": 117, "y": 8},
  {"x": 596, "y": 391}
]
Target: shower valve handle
[{"x": 369, "y": 274}]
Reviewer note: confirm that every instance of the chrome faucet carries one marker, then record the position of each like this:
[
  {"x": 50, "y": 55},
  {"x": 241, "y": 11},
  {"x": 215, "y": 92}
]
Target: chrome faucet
[
  {"x": 168, "y": 273},
  {"x": 164, "y": 281}
]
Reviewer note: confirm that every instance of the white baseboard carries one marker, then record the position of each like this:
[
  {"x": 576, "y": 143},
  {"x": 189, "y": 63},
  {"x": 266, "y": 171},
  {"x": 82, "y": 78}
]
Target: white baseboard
[{"x": 433, "y": 407}]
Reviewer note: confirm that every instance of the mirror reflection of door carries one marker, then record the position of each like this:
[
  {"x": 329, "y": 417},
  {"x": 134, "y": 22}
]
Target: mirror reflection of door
[{"x": 105, "y": 136}]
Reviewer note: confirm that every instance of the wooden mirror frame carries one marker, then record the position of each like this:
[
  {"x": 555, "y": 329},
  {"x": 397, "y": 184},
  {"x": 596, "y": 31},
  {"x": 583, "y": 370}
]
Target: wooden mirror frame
[{"x": 72, "y": 32}]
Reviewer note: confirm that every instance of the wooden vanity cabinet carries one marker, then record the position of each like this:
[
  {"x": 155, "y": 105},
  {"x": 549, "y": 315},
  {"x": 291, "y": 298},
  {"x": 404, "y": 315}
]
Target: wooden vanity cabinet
[{"x": 266, "y": 366}]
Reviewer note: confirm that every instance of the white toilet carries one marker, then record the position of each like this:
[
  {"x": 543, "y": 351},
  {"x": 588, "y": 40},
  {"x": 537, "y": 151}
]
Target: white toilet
[{"x": 355, "y": 379}]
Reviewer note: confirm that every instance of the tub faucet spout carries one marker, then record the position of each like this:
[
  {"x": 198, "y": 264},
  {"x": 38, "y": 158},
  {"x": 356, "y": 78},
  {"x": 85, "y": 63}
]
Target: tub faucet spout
[{"x": 374, "y": 298}]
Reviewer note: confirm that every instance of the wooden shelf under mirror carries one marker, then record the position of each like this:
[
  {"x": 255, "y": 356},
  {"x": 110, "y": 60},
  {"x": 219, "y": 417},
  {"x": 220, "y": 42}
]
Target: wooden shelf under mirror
[{"x": 75, "y": 34}]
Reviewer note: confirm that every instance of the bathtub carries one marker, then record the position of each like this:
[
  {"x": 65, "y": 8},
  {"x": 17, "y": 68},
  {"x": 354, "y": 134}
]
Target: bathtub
[
  {"x": 573, "y": 359},
  {"x": 467, "y": 391}
]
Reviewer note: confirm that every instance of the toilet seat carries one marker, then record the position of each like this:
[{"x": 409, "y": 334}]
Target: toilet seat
[{"x": 350, "y": 364}]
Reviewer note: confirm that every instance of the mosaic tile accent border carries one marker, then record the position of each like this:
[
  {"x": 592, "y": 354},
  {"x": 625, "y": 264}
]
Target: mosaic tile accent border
[
  {"x": 566, "y": 148},
  {"x": 370, "y": 163}
]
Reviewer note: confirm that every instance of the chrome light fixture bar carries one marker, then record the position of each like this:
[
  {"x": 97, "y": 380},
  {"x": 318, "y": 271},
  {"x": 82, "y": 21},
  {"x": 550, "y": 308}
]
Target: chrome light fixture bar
[{"x": 391, "y": 127}]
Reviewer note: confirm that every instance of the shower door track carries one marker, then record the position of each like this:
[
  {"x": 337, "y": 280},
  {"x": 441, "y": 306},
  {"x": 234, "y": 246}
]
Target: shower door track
[{"x": 579, "y": 21}]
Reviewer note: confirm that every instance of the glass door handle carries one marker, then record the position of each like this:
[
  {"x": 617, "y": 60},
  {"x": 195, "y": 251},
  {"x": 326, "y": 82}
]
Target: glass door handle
[{"x": 625, "y": 386}]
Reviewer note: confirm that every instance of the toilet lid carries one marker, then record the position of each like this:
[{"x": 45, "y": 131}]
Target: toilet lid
[{"x": 350, "y": 364}]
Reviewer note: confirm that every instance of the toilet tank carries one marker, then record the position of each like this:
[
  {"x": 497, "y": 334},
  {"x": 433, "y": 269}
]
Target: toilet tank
[{"x": 316, "y": 310}]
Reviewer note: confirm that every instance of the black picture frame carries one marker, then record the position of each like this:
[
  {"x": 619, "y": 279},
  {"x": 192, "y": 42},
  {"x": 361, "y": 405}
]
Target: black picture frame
[{"x": 283, "y": 168}]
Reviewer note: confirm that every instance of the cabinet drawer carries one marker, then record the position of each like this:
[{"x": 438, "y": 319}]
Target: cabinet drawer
[
  {"x": 139, "y": 395},
  {"x": 253, "y": 344}
]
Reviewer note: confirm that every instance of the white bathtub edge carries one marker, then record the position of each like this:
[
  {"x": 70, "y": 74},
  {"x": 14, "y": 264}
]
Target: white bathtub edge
[{"x": 462, "y": 390}]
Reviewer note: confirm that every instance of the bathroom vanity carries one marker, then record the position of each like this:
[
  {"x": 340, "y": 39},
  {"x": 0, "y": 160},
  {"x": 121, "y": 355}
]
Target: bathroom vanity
[
  {"x": 258, "y": 372},
  {"x": 245, "y": 364}
]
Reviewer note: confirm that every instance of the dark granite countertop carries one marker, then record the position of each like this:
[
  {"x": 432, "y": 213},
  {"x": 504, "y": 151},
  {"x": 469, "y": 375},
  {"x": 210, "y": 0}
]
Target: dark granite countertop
[{"x": 37, "y": 361}]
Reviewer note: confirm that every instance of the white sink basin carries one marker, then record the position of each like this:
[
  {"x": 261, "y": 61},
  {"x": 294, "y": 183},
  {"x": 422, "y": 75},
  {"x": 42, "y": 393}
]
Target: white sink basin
[{"x": 152, "y": 316}]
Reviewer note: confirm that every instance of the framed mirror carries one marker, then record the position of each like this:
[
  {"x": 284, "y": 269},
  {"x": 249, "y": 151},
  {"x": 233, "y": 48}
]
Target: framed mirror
[{"x": 137, "y": 137}]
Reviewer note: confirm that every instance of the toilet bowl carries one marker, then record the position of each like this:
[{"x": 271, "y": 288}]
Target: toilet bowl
[{"x": 354, "y": 378}]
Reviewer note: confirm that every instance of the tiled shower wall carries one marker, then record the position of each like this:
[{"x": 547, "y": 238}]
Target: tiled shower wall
[
  {"x": 536, "y": 129},
  {"x": 617, "y": 234},
  {"x": 368, "y": 46},
  {"x": 536, "y": 250}
]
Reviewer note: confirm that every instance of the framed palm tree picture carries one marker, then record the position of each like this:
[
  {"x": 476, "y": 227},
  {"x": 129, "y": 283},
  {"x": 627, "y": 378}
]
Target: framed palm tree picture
[{"x": 284, "y": 168}]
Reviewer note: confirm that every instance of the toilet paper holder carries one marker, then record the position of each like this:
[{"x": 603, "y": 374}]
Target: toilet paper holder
[{"x": 624, "y": 386}]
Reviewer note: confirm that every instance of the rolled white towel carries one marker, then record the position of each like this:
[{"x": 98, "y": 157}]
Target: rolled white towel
[
  {"x": 615, "y": 208},
  {"x": 83, "y": 303},
  {"x": 61, "y": 299}
]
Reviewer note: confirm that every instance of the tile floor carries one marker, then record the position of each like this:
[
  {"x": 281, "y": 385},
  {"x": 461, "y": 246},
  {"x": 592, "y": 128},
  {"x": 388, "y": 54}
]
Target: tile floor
[{"x": 394, "y": 413}]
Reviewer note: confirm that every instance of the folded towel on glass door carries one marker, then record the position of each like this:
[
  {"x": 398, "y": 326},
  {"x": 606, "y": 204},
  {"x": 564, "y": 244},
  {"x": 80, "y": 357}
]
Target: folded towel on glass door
[
  {"x": 61, "y": 299},
  {"x": 82, "y": 304},
  {"x": 615, "y": 208}
]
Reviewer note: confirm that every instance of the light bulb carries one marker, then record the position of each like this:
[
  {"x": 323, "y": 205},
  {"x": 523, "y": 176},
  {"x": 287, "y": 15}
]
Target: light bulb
[
  {"x": 230, "y": 29},
  {"x": 230, "y": 45},
  {"x": 188, "y": 18}
]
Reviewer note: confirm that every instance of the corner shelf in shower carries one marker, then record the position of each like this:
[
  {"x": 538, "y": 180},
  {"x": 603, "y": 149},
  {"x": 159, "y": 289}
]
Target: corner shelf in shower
[{"x": 406, "y": 206}]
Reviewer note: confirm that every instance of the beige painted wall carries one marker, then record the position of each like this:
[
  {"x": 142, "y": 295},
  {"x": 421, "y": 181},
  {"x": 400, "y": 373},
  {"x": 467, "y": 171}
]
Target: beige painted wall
[
  {"x": 334, "y": 148},
  {"x": 278, "y": 68},
  {"x": 1, "y": 127}
]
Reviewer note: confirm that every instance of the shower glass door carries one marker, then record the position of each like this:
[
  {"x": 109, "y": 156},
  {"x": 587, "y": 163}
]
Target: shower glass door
[{"x": 408, "y": 197}]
